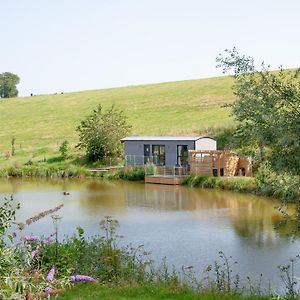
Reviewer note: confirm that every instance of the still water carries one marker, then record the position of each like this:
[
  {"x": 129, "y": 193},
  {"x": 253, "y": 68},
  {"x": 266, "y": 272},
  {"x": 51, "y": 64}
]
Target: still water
[{"x": 189, "y": 226}]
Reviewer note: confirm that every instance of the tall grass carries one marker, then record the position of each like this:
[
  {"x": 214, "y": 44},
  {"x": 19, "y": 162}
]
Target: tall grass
[
  {"x": 150, "y": 291},
  {"x": 59, "y": 170},
  {"x": 240, "y": 184}
]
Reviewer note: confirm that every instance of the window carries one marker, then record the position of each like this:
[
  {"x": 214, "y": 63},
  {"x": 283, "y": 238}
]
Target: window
[
  {"x": 146, "y": 154},
  {"x": 182, "y": 155},
  {"x": 158, "y": 152}
]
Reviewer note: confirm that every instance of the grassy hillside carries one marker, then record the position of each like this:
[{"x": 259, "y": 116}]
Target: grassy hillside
[{"x": 41, "y": 123}]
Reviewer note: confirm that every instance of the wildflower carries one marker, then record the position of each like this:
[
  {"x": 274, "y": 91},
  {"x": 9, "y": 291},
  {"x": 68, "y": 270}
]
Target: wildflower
[
  {"x": 47, "y": 289},
  {"x": 82, "y": 278},
  {"x": 50, "y": 275},
  {"x": 48, "y": 239},
  {"x": 32, "y": 238},
  {"x": 34, "y": 253}
]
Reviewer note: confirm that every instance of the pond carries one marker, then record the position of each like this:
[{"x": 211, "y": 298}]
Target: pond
[{"x": 189, "y": 226}]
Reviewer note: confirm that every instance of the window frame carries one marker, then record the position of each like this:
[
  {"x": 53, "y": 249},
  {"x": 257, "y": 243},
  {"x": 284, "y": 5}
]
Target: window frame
[
  {"x": 161, "y": 156},
  {"x": 180, "y": 155}
]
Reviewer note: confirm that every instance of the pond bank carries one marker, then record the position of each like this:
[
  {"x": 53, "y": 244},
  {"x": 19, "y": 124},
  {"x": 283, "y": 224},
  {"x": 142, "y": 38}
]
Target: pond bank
[{"x": 282, "y": 187}]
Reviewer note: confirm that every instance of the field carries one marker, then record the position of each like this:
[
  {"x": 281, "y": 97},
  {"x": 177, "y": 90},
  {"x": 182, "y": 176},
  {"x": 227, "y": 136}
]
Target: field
[{"x": 39, "y": 124}]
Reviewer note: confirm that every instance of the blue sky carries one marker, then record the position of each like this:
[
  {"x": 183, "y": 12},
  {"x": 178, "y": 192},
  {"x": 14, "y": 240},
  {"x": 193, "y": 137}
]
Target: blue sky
[{"x": 73, "y": 45}]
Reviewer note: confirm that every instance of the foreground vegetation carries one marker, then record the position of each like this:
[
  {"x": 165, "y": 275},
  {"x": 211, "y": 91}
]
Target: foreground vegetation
[{"x": 146, "y": 292}]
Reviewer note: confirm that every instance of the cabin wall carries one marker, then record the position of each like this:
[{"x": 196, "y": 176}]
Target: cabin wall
[
  {"x": 137, "y": 148},
  {"x": 206, "y": 144}
]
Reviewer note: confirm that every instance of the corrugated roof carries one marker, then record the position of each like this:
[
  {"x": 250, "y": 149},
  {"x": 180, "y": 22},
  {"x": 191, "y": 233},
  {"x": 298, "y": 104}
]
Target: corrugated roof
[{"x": 163, "y": 138}]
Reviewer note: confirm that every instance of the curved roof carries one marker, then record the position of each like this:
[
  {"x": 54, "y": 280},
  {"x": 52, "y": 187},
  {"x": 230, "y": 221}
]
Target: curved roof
[{"x": 164, "y": 138}]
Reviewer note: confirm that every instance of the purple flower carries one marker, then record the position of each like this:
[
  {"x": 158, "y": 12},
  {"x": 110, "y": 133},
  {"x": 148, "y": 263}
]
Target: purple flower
[
  {"x": 82, "y": 278},
  {"x": 34, "y": 253},
  {"x": 33, "y": 238},
  {"x": 50, "y": 275},
  {"x": 47, "y": 289},
  {"x": 48, "y": 239}
]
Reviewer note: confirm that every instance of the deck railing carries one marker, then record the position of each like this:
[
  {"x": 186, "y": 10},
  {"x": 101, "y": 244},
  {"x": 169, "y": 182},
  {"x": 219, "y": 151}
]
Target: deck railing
[
  {"x": 138, "y": 160},
  {"x": 146, "y": 161}
]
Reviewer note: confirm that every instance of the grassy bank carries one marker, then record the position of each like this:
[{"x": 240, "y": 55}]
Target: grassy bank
[
  {"x": 240, "y": 184},
  {"x": 62, "y": 170},
  {"x": 265, "y": 183},
  {"x": 40, "y": 124},
  {"x": 144, "y": 292}
]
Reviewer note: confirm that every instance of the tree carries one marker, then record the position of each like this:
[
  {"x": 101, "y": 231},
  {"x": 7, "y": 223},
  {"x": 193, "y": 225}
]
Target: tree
[
  {"x": 8, "y": 85},
  {"x": 101, "y": 132},
  {"x": 267, "y": 108},
  {"x": 64, "y": 149}
]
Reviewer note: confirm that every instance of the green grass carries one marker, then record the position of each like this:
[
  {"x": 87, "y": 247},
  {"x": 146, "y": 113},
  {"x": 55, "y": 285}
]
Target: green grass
[
  {"x": 143, "y": 292},
  {"x": 240, "y": 184},
  {"x": 41, "y": 123}
]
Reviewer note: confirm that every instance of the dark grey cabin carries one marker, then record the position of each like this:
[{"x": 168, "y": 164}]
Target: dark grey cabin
[{"x": 166, "y": 151}]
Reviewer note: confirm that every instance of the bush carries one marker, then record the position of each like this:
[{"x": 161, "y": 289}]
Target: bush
[
  {"x": 63, "y": 149},
  {"x": 283, "y": 186},
  {"x": 134, "y": 174},
  {"x": 101, "y": 132}
]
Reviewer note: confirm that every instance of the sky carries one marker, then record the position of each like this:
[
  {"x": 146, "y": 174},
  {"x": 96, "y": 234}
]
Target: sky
[{"x": 72, "y": 45}]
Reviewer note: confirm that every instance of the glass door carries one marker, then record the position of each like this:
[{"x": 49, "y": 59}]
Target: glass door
[
  {"x": 159, "y": 154},
  {"x": 182, "y": 155}
]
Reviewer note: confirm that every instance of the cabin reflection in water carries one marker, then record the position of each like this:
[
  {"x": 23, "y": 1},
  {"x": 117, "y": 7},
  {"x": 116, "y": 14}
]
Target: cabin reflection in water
[{"x": 252, "y": 218}]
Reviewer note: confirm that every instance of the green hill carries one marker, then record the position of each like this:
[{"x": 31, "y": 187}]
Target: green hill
[{"x": 40, "y": 123}]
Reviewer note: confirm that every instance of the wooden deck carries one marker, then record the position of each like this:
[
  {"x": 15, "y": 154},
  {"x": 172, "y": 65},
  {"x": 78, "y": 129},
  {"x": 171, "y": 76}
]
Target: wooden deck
[{"x": 161, "y": 179}]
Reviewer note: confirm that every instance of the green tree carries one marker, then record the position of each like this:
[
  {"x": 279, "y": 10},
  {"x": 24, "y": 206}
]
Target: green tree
[
  {"x": 267, "y": 108},
  {"x": 8, "y": 85},
  {"x": 64, "y": 149},
  {"x": 101, "y": 132}
]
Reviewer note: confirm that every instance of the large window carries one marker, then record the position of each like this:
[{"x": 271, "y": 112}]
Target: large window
[
  {"x": 159, "y": 153},
  {"x": 182, "y": 155}
]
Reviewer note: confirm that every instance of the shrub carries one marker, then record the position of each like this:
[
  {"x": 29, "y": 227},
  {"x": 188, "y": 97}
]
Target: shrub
[
  {"x": 134, "y": 174},
  {"x": 63, "y": 149},
  {"x": 283, "y": 186},
  {"x": 101, "y": 132}
]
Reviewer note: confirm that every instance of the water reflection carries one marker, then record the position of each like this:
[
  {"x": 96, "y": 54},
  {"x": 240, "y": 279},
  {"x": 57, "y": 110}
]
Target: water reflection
[
  {"x": 209, "y": 215},
  {"x": 252, "y": 218}
]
